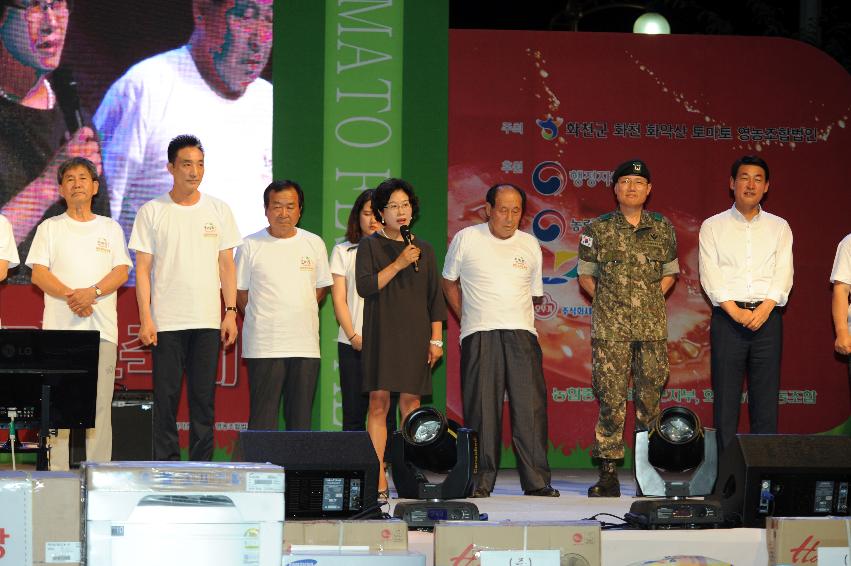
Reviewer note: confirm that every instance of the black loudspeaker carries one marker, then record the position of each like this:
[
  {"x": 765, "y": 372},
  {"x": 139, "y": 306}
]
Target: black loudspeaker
[
  {"x": 784, "y": 475},
  {"x": 328, "y": 474},
  {"x": 132, "y": 425}
]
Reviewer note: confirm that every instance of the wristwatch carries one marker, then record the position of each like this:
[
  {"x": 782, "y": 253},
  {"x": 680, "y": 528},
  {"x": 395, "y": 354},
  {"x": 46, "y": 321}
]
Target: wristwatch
[
  {"x": 438, "y": 343},
  {"x": 98, "y": 292}
]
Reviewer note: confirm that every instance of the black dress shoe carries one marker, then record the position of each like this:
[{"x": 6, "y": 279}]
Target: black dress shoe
[
  {"x": 546, "y": 491},
  {"x": 480, "y": 492}
]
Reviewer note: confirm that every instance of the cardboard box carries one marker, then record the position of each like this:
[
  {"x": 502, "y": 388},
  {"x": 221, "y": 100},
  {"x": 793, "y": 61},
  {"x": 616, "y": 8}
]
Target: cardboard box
[
  {"x": 460, "y": 542},
  {"x": 796, "y": 540},
  {"x": 179, "y": 513},
  {"x": 39, "y": 518},
  {"x": 346, "y": 558},
  {"x": 375, "y": 536}
]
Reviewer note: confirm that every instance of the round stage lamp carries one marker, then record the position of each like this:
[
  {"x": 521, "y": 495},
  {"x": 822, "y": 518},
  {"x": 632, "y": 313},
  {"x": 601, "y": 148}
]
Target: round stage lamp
[
  {"x": 429, "y": 442},
  {"x": 676, "y": 440},
  {"x": 676, "y": 459},
  {"x": 431, "y": 439},
  {"x": 651, "y": 23}
]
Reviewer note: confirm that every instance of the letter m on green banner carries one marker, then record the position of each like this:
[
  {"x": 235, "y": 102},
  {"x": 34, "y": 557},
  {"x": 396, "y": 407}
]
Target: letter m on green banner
[{"x": 340, "y": 71}]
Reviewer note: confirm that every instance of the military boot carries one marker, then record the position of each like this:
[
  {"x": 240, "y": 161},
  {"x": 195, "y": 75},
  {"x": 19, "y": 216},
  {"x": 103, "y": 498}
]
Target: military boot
[{"x": 607, "y": 485}]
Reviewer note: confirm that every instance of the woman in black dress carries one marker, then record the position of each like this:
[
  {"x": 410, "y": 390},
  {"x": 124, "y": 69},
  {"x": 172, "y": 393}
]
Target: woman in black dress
[{"x": 403, "y": 311}]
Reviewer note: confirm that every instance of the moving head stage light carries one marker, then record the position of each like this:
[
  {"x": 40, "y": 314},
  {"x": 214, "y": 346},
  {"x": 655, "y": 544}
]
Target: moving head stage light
[
  {"x": 428, "y": 441},
  {"x": 676, "y": 458}
]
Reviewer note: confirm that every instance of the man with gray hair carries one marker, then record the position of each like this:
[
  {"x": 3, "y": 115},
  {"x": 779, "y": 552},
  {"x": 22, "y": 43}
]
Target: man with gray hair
[
  {"x": 492, "y": 277},
  {"x": 79, "y": 259}
]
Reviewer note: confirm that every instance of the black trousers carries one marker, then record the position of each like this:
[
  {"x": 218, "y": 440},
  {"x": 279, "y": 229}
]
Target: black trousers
[
  {"x": 268, "y": 379},
  {"x": 355, "y": 401},
  {"x": 738, "y": 352},
  {"x": 491, "y": 363},
  {"x": 196, "y": 352}
]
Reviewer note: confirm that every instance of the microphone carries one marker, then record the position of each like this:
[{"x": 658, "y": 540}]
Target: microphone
[
  {"x": 68, "y": 98},
  {"x": 405, "y": 230}
]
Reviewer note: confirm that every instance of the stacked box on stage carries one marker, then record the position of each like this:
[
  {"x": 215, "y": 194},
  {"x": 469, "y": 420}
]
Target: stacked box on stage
[
  {"x": 353, "y": 558},
  {"x": 132, "y": 426},
  {"x": 39, "y": 518},
  {"x": 179, "y": 513},
  {"x": 461, "y": 542},
  {"x": 796, "y": 540},
  {"x": 371, "y": 535}
]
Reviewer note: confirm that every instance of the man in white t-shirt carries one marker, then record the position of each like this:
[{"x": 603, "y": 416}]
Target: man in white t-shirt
[
  {"x": 282, "y": 275},
  {"x": 841, "y": 279},
  {"x": 8, "y": 248},
  {"x": 184, "y": 244},
  {"x": 491, "y": 278},
  {"x": 79, "y": 259},
  {"x": 210, "y": 86}
]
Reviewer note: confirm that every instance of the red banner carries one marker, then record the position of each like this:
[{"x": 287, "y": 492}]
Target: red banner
[{"x": 556, "y": 112}]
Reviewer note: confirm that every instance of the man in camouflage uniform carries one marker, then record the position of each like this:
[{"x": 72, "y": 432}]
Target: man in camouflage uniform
[{"x": 627, "y": 262}]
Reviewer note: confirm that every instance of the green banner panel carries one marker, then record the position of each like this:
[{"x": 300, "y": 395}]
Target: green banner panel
[{"x": 360, "y": 95}]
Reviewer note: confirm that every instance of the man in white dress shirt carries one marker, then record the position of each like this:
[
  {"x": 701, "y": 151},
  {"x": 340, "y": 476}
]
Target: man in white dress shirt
[
  {"x": 840, "y": 276},
  {"x": 746, "y": 270}
]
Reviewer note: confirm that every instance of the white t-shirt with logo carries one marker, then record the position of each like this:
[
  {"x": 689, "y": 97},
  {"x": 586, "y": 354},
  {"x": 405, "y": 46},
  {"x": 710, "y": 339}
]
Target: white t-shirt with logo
[
  {"x": 80, "y": 254},
  {"x": 8, "y": 248},
  {"x": 842, "y": 267},
  {"x": 343, "y": 263},
  {"x": 185, "y": 242},
  {"x": 498, "y": 279},
  {"x": 281, "y": 276}
]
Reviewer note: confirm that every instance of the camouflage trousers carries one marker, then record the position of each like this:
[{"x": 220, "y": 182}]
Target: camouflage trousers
[{"x": 612, "y": 362}]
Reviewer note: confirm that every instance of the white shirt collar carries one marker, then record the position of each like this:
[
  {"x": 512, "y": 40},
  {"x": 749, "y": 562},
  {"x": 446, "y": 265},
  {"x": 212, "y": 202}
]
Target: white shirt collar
[{"x": 741, "y": 217}]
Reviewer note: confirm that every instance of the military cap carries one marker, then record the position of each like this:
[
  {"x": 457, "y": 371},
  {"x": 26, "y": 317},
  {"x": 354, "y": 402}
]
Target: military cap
[{"x": 632, "y": 167}]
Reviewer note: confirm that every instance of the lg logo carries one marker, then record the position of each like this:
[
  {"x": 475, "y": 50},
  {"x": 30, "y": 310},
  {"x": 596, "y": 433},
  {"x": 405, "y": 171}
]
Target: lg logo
[{"x": 11, "y": 351}]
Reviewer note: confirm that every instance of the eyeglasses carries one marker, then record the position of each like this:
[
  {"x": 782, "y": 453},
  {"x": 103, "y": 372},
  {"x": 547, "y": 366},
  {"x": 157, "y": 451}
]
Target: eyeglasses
[
  {"x": 637, "y": 183},
  {"x": 395, "y": 207},
  {"x": 34, "y": 9}
]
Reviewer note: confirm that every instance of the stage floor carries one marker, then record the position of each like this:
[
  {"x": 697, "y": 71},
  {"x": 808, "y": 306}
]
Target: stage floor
[{"x": 619, "y": 547}]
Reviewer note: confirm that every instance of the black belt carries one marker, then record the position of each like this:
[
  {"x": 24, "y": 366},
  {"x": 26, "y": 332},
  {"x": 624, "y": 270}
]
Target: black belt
[{"x": 750, "y": 306}]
